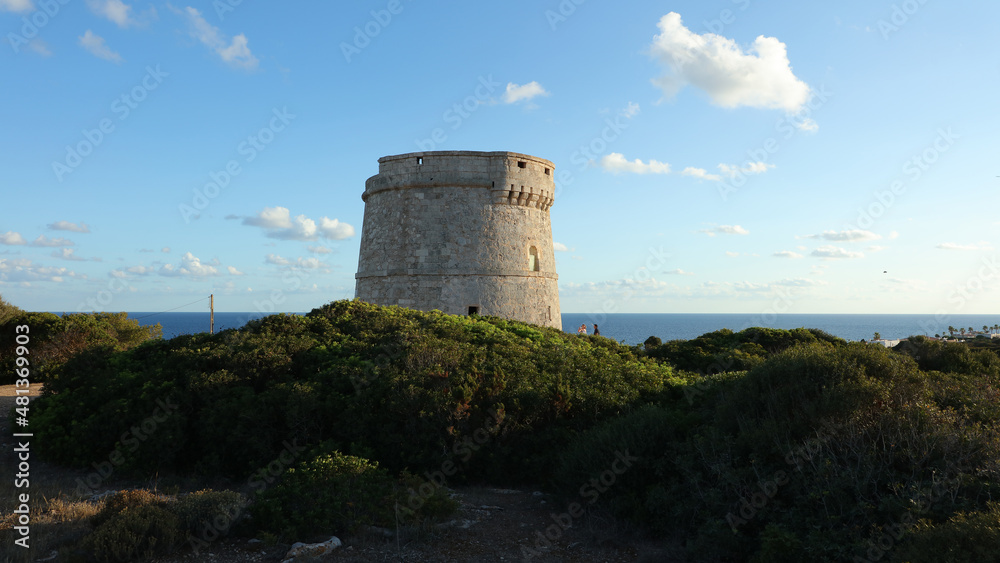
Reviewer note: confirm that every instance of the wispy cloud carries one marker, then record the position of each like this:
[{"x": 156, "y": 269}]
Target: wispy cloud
[
  {"x": 67, "y": 226},
  {"x": 725, "y": 230},
  {"x": 20, "y": 6},
  {"x": 234, "y": 51},
  {"x": 700, "y": 173},
  {"x": 956, "y": 246},
  {"x": 560, "y": 247},
  {"x": 95, "y": 45},
  {"x": 760, "y": 76},
  {"x": 45, "y": 242},
  {"x": 300, "y": 262},
  {"x": 279, "y": 224},
  {"x": 787, "y": 254},
  {"x": 69, "y": 254},
  {"x": 120, "y": 12},
  {"x": 616, "y": 162},
  {"x": 852, "y": 235},
  {"x": 516, "y": 93},
  {"x": 834, "y": 252},
  {"x": 24, "y": 270}
]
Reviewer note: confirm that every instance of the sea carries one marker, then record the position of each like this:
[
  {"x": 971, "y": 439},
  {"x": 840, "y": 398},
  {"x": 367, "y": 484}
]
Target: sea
[{"x": 635, "y": 328}]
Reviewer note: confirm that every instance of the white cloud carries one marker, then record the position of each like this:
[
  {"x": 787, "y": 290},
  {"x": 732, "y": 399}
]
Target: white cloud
[
  {"x": 304, "y": 263},
  {"x": 46, "y": 242},
  {"x": 956, "y": 246},
  {"x": 12, "y": 238},
  {"x": 276, "y": 260},
  {"x": 40, "y": 47},
  {"x": 67, "y": 254},
  {"x": 67, "y": 226},
  {"x": 190, "y": 266},
  {"x": 515, "y": 93},
  {"x": 559, "y": 247},
  {"x": 16, "y": 5},
  {"x": 831, "y": 252},
  {"x": 759, "y": 77},
  {"x": 732, "y": 254},
  {"x": 800, "y": 282},
  {"x": 235, "y": 51},
  {"x": 726, "y": 230},
  {"x": 279, "y": 224},
  {"x": 747, "y": 169},
  {"x": 334, "y": 229},
  {"x": 787, "y": 254},
  {"x": 631, "y": 110},
  {"x": 116, "y": 11},
  {"x": 24, "y": 270},
  {"x": 808, "y": 124},
  {"x": 851, "y": 235},
  {"x": 96, "y": 46},
  {"x": 732, "y": 230},
  {"x": 616, "y": 162},
  {"x": 679, "y": 272},
  {"x": 318, "y": 249},
  {"x": 700, "y": 173},
  {"x": 136, "y": 270},
  {"x": 233, "y": 271},
  {"x": 165, "y": 250}
]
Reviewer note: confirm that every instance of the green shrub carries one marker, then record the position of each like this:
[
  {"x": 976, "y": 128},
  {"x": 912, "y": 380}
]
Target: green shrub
[
  {"x": 135, "y": 532},
  {"x": 967, "y": 537},
  {"x": 55, "y": 339},
  {"x": 411, "y": 389},
  {"x": 337, "y": 493},
  {"x": 130, "y": 498},
  {"x": 209, "y": 514}
]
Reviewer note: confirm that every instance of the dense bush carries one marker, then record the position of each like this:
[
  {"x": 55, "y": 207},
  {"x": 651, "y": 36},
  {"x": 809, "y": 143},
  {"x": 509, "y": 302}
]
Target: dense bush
[
  {"x": 336, "y": 493},
  {"x": 965, "y": 538},
  {"x": 725, "y": 350},
  {"x": 55, "y": 339},
  {"x": 407, "y": 388},
  {"x": 133, "y": 524},
  {"x": 809, "y": 456}
]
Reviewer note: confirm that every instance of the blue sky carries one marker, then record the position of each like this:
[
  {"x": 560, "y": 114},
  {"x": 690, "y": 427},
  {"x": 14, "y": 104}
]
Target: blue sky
[{"x": 723, "y": 156}]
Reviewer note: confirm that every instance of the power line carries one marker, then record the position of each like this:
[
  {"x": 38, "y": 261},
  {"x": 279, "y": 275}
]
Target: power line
[{"x": 174, "y": 309}]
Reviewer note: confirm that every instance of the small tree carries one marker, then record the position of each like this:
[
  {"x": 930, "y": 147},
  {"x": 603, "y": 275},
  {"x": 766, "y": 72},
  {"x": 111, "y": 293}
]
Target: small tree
[
  {"x": 7, "y": 311},
  {"x": 877, "y": 336}
]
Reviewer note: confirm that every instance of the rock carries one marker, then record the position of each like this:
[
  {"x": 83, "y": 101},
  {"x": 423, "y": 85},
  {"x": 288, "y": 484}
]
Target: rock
[
  {"x": 311, "y": 549},
  {"x": 100, "y": 496}
]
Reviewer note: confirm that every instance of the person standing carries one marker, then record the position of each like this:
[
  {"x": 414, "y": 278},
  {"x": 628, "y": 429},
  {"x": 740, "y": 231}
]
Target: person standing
[
  {"x": 596, "y": 332},
  {"x": 582, "y": 329}
]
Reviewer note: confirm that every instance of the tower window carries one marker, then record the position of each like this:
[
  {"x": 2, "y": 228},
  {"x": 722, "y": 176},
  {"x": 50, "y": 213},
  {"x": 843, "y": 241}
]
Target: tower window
[
  {"x": 521, "y": 164},
  {"x": 533, "y": 259},
  {"x": 547, "y": 172},
  {"x": 420, "y": 160},
  {"x": 473, "y": 310}
]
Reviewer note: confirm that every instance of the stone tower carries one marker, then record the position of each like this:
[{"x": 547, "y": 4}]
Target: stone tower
[{"x": 463, "y": 232}]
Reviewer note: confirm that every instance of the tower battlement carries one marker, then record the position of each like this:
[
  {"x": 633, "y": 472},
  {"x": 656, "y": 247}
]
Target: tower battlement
[{"x": 513, "y": 178}]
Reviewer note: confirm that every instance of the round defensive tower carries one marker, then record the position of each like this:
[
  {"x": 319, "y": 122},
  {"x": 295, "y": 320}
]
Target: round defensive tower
[{"x": 461, "y": 231}]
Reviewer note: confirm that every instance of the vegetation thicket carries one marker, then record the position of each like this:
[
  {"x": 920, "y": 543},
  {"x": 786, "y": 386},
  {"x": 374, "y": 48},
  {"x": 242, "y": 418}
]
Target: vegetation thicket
[
  {"x": 54, "y": 339},
  {"x": 758, "y": 445}
]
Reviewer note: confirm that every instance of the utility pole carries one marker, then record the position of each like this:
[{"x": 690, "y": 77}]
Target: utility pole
[{"x": 211, "y": 321}]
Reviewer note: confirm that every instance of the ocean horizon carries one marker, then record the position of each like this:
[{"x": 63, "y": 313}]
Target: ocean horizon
[{"x": 635, "y": 328}]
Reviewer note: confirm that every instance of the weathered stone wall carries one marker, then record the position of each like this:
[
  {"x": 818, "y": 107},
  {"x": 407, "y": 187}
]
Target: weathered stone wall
[{"x": 451, "y": 230}]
